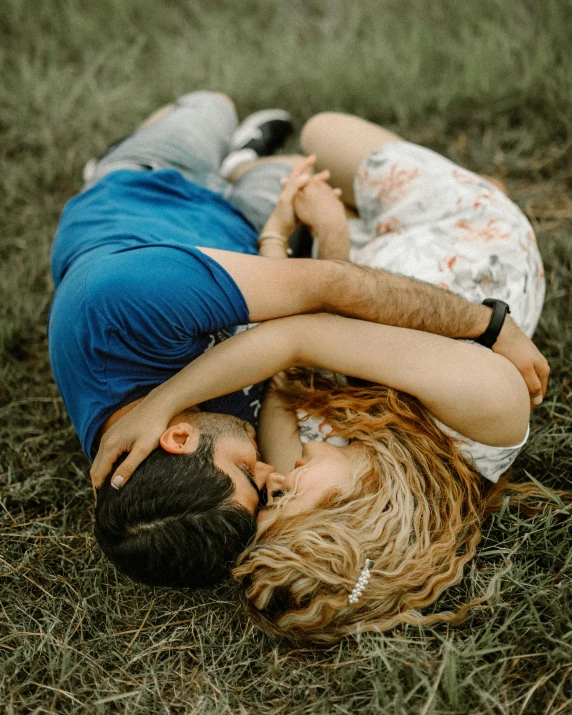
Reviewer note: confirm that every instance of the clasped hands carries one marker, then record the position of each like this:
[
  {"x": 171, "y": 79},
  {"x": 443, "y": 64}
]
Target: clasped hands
[{"x": 308, "y": 199}]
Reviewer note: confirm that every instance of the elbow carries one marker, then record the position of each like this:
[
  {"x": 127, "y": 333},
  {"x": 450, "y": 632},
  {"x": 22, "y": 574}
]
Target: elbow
[{"x": 511, "y": 405}]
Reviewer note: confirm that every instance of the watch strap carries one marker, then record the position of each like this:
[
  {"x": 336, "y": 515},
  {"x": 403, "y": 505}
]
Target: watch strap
[{"x": 500, "y": 310}]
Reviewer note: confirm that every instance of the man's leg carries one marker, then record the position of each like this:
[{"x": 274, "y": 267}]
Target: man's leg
[
  {"x": 256, "y": 186},
  {"x": 157, "y": 114},
  {"x": 341, "y": 142},
  {"x": 291, "y": 159},
  {"x": 192, "y": 135}
]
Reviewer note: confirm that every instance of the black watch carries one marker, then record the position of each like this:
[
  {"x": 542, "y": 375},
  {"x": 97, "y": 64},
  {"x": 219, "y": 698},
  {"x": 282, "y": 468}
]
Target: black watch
[{"x": 500, "y": 310}]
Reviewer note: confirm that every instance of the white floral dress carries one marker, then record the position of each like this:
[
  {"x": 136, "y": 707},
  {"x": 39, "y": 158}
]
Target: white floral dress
[{"x": 423, "y": 216}]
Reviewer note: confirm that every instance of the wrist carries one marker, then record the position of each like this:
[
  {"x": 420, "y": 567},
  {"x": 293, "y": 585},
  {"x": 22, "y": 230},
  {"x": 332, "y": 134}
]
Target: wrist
[
  {"x": 327, "y": 224},
  {"x": 166, "y": 402},
  {"x": 273, "y": 244},
  {"x": 334, "y": 243},
  {"x": 499, "y": 312},
  {"x": 281, "y": 220},
  {"x": 273, "y": 249}
]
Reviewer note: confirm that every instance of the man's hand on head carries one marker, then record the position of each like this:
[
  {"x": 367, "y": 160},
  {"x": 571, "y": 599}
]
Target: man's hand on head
[{"x": 514, "y": 345}]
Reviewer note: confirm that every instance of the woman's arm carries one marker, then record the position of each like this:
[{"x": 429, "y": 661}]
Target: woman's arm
[
  {"x": 278, "y": 435},
  {"x": 472, "y": 390},
  {"x": 319, "y": 207}
]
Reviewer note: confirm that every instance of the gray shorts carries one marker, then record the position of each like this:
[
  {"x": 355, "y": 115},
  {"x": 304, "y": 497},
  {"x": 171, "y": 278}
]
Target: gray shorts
[{"x": 194, "y": 138}]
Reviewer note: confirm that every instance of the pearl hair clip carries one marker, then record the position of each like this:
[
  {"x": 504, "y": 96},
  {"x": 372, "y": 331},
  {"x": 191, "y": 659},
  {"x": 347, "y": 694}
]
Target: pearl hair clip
[{"x": 361, "y": 582}]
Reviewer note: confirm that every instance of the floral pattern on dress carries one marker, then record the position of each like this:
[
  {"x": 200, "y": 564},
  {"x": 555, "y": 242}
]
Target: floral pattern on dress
[
  {"x": 451, "y": 228},
  {"x": 484, "y": 232}
]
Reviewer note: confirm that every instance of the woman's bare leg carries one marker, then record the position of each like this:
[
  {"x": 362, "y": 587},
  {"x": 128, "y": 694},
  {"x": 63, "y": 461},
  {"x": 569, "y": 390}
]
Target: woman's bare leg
[{"x": 341, "y": 141}]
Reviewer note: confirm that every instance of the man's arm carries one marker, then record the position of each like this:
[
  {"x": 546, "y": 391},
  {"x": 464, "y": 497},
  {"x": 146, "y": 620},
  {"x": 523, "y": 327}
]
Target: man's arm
[{"x": 274, "y": 289}]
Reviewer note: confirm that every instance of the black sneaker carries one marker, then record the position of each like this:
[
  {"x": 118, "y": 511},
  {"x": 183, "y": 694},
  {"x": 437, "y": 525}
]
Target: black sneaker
[
  {"x": 260, "y": 134},
  {"x": 264, "y": 131}
]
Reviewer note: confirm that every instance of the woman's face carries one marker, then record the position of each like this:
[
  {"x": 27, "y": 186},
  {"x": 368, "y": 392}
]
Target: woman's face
[{"x": 323, "y": 468}]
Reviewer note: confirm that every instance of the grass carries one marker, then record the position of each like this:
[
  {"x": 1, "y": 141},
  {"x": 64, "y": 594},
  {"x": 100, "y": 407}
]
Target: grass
[{"x": 490, "y": 86}]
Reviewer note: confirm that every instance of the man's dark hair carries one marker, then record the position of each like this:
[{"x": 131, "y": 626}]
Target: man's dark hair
[{"x": 174, "y": 523}]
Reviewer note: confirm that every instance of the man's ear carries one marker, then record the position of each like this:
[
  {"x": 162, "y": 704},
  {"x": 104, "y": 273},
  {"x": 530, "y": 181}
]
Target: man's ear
[{"x": 181, "y": 438}]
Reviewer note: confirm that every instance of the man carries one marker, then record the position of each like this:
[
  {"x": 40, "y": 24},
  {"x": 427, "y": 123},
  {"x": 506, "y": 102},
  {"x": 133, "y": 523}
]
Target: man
[{"x": 154, "y": 262}]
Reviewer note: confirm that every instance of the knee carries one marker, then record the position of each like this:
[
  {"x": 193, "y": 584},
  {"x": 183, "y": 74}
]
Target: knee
[
  {"x": 204, "y": 95},
  {"x": 314, "y": 129},
  {"x": 224, "y": 96}
]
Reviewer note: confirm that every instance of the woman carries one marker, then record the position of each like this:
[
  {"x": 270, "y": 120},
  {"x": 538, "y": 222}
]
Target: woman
[{"x": 374, "y": 523}]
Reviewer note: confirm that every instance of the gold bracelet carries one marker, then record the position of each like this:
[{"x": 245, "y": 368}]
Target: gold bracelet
[{"x": 271, "y": 235}]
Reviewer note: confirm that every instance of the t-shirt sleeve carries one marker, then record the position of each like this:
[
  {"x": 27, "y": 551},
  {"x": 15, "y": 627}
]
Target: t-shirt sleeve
[{"x": 164, "y": 295}]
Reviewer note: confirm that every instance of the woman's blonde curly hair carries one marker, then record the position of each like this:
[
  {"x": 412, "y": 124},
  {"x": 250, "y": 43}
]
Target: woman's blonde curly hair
[{"x": 415, "y": 509}]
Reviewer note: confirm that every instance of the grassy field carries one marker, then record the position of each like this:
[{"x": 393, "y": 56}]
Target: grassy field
[{"x": 487, "y": 84}]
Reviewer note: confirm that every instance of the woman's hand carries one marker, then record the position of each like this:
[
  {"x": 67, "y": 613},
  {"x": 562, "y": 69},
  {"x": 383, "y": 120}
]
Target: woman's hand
[
  {"x": 137, "y": 432},
  {"x": 319, "y": 207},
  {"x": 244, "y": 359},
  {"x": 283, "y": 219}
]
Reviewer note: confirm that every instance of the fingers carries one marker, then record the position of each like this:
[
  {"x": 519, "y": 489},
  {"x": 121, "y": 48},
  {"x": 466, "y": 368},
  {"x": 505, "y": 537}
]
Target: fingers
[
  {"x": 543, "y": 371},
  {"x": 534, "y": 386},
  {"x": 304, "y": 167},
  {"x": 102, "y": 464},
  {"x": 535, "y": 399},
  {"x": 514, "y": 345},
  {"x": 129, "y": 465},
  {"x": 106, "y": 457},
  {"x": 536, "y": 378},
  {"x": 301, "y": 182},
  {"x": 321, "y": 176},
  {"x": 293, "y": 185},
  {"x": 538, "y": 385}
]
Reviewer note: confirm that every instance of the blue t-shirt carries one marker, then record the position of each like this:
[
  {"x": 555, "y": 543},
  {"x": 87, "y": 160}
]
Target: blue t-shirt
[{"x": 135, "y": 300}]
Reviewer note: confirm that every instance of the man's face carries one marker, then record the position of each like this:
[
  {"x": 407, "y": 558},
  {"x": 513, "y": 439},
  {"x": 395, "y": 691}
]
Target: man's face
[{"x": 235, "y": 453}]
